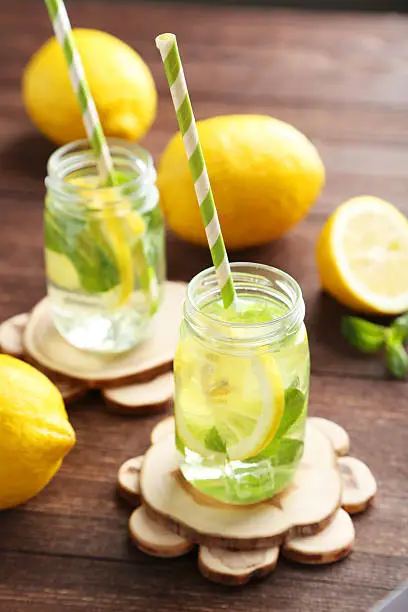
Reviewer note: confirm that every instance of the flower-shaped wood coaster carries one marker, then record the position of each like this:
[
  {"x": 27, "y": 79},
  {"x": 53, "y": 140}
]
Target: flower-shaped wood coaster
[
  {"x": 307, "y": 522},
  {"x": 135, "y": 383}
]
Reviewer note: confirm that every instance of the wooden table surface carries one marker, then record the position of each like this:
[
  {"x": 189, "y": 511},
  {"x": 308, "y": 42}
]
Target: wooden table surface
[{"x": 343, "y": 80}]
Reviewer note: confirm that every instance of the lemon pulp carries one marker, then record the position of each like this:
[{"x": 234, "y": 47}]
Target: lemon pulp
[{"x": 362, "y": 256}]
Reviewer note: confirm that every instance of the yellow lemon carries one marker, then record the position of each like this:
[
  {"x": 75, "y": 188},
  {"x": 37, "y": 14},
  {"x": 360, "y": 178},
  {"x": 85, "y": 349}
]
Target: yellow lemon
[
  {"x": 362, "y": 256},
  {"x": 120, "y": 82},
  {"x": 35, "y": 433},
  {"x": 264, "y": 173}
]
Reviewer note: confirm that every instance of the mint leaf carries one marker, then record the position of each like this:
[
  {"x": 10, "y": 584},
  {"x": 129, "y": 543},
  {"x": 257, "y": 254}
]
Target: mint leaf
[
  {"x": 364, "y": 335},
  {"x": 85, "y": 245},
  {"x": 214, "y": 442},
  {"x": 288, "y": 452},
  {"x": 294, "y": 405},
  {"x": 397, "y": 359},
  {"x": 401, "y": 324}
]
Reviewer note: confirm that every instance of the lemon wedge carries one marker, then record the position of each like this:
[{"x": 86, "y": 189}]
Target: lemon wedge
[{"x": 362, "y": 256}]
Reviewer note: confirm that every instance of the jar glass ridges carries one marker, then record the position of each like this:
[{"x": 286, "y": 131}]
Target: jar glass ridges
[
  {"x": 242, "y": 384},
  {"x": 104, "y": 247}
]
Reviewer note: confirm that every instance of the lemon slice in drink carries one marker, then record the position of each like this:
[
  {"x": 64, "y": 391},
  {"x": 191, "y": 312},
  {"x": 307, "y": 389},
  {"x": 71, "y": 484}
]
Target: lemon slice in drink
[
  {"x": 117, "y": 230},
  {"x": 227, "y": 403},
  {"x": 362, "y": 256}
]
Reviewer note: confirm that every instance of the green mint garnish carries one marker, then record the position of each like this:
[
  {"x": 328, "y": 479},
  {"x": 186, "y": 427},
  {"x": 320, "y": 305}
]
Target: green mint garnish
[
  {"x": 84, "y": 244},
  {"x": 370, "y": 338},
  {"x": 364, "y": 335},
  {"x": 294, "y": 405},
  {"x": 214, "y": 442},
  {"x": 290, "y": 450},
  {"x": 396, "y": 359},
  {"x": 401, "y": 324}
]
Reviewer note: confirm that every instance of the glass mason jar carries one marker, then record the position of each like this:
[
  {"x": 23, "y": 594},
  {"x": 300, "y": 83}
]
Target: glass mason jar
[
  {"x": 242, "y": 384},
  {"x": 104, "y": 246}
]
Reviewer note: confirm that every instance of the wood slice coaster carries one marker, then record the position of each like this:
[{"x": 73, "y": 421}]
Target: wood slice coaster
[
  {"x": 11, "y": 342},
  {"x": 336, "y": 434},
  {"x": 141, "y": 398},
  {"x": 236, "y": 567},
  {"x": 305, "y": 508},
  {"x": 11, "y": 335},
  {"x": 330, "y": 545},
  {"x": 137, "y": 383},
  {"x": 239, "y": 543},
  {"x": 164, "y": 428},
  {"x": 46, "y": 346},
  {"x": 359, "y": 486},
  {"x": 129, "y": 480}
]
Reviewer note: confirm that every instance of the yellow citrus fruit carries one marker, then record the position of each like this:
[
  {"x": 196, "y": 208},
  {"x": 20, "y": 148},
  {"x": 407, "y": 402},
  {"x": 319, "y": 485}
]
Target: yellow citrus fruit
[
  {"x": 120, "y": 82},
  {"x": 35, "y": 433},
  {"x": 362, "y": 256},
  {"x": 264, "y": 173}
]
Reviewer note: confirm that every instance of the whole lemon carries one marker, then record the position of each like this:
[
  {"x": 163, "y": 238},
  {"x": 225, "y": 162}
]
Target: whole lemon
[
  {"x": 120, "y": 82},
  {"x": 35, "y": 433},
  {"x": 264, "y": 173}
]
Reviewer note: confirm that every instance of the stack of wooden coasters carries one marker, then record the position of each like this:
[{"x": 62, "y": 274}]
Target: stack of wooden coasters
[
  {"x": 138, "y": 382},
  {"x": 308, "y": 523}
]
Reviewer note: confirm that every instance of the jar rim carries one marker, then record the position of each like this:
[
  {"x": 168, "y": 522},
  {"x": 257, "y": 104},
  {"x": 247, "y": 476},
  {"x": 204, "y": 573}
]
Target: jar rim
[
  {"x": 63, "y": 160},
  {"x": 281, "y": 325},
  {"x": 78, "y": 155}
]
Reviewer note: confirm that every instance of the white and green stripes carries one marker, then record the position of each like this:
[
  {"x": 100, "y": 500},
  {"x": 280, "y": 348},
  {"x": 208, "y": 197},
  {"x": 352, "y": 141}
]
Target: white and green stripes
[
  {"x": 117, "y": 229},
  {"x": 167, "y": 45},
  {"x": 93, "y": 128}
]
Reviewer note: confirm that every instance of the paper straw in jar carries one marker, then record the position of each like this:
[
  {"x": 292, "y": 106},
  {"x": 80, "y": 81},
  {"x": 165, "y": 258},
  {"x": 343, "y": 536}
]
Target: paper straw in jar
[
  {"x": 63, "y": 32},
  {"x": 167, "y": 45}
]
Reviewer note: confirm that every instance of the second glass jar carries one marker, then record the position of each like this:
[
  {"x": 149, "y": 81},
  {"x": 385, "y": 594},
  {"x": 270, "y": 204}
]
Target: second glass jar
[
  {"x": 104, "y": 246},
  {"x": 242, "y": 385}
]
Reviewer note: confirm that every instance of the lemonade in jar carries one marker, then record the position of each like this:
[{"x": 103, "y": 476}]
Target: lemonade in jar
[
  {"x": 242, "y": 384},
  {"x": 242, "y": 364},
  {"x": 104, "y": 246}
]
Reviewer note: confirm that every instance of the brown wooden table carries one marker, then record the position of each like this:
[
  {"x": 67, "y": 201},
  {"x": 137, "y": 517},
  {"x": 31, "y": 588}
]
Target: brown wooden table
[{"x": 343, "y": 80}]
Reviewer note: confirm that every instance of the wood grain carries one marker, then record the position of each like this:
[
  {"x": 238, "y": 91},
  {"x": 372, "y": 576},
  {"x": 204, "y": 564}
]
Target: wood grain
[{"x": 341, "y": 79}]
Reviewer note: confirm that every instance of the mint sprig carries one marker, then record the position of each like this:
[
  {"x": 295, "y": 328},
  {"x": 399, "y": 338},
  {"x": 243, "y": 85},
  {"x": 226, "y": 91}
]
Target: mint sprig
[
  {"x": 364, "y": 335},
  {"x": 401, "y": 324},
  {"x": 369, "y": 337},
  {"x": 214, "y": 442}
]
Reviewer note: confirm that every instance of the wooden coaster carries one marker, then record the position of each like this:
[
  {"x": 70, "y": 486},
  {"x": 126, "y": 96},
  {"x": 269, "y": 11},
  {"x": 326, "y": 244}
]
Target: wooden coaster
[
  {"x": 336, "y": 434},
  {"x": 137, "y": 383},
  {"x": 155, "y": 539},
  {"x": 164, "y": 428},
  {"x": 330, "y": 545},
  {"x": 359, "y": 486},
  {"x": 129, "y": 480},
  {"x": 305, "y": 508},
  {"x": 141, "y": 398},
  {"x": 11, "y": 342},
  {"x": 240, "y": 543},
  {"x": 11, "y": 335},
  {"x": 236, "y": 567},
  {"x": 46, "y": 346}
]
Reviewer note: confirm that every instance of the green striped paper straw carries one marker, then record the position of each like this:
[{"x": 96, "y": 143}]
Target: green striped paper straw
[
  {"x": 63, "y": 32},
  {"x": 167, "y": 45}
]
